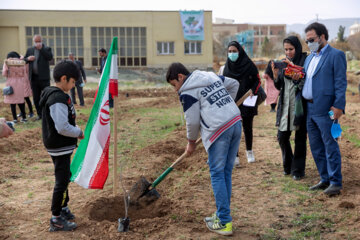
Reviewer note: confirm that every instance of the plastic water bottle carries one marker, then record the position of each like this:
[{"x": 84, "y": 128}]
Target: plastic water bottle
[{"x": 331, "y": 114}]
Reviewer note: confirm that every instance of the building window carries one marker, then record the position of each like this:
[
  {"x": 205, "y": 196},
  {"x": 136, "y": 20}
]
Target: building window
[
  {"x": 165, "y": 48},
  {"x": 192, "y": 47},
  {"x": 131, "y": 43},
  {"x": 62, "y": 41}
]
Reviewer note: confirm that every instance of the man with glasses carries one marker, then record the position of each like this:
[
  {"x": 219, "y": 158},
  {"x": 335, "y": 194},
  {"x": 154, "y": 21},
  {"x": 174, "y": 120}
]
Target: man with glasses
[{"x": 324, "y": 90}]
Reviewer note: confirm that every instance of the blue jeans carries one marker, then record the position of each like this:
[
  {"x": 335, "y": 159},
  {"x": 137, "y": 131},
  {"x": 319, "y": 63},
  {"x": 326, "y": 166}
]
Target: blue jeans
[{"x": 222, "y": 154}]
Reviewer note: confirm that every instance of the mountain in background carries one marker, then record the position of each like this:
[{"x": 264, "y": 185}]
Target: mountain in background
[{"x": 331, "y": 24}]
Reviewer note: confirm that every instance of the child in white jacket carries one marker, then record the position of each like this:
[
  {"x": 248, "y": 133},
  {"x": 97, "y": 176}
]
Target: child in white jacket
[{"x": 209, "y": 108}]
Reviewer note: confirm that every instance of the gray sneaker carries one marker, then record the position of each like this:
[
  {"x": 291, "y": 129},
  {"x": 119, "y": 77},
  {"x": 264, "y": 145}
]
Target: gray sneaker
[
  {"x": 61, "y": 224},
  {"x": 212, "y": 218}
]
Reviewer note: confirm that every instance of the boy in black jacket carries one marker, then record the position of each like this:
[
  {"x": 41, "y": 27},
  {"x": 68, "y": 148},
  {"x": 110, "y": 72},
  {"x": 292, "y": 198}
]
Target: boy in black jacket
[{"x": 60, "y": 135}]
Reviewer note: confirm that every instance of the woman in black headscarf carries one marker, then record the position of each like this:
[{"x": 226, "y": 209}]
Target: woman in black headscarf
[
  {"x": 291, "y": 113},
  {"x": 239, "y": 66}
]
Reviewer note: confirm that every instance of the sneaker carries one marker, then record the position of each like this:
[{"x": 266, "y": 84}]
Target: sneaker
[
  {"x": 61, "y": 224},
  {"x": 66, "y": 213},
  {"x": 23, "y": 120},
  {"x": 31, "y": 115},
  {"x": 237, "y": 162},
  {"x": 250, "y": 156},
  {"x": 11, "y": 125},
  {"x": 19, "y": 115},
  {"x": 213, "y": 218},
  {"x": 217, "y": 227},
  {"x": 15, "y": 121},
  {"x": 38, "y": 118}
]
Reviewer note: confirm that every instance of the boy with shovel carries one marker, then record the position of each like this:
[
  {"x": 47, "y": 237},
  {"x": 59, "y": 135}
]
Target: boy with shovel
[{"x": 209, "y": 108}]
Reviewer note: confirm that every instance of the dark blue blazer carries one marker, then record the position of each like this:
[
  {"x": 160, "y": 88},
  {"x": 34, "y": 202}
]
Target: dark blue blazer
[{"x": 328, "y": 82}]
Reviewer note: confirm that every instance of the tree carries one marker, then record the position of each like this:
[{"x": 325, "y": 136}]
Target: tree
[
  {"x": 267, "y": 48},
  {"x": 340, "y": 34}
]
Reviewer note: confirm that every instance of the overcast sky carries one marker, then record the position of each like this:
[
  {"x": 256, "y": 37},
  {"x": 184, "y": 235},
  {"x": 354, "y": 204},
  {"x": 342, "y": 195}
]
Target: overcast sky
[{"x": 250, "y": 11}]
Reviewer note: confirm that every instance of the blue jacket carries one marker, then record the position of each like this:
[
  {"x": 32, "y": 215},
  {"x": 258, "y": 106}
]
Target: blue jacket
[{"x": 328, "y": 82}]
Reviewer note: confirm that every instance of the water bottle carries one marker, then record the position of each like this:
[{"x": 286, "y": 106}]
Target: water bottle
[{"x": 331, "y": 114}]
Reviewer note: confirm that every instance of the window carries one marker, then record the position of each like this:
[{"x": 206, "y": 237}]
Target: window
[
  {"x": 131, "y": 43},
  {"x": 165, "y": 48},
  {"x": 192, "y": 47},
  {"x": 62, "y": 40}
]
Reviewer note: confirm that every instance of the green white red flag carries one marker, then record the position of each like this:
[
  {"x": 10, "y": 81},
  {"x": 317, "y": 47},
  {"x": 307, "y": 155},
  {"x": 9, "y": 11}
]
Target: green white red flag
[{"x": 90, "y": 165}]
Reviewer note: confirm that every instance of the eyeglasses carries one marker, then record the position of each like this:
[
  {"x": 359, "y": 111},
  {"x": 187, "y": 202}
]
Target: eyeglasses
[{"x": 311, "y": 40}]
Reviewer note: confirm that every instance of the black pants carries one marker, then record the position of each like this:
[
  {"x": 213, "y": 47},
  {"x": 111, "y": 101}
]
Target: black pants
[
  {"x": 22, "y": 110},
  {"x": 80, "y": 93},
  {"x": 37, "y": 86},
  {"x": 273, "y": 106},
  {"x": 248, "y": 131},
  {"x": 62, "y": 178},
  {"x": 28, "y": 102},
  {"x": 293, "y": 163}
]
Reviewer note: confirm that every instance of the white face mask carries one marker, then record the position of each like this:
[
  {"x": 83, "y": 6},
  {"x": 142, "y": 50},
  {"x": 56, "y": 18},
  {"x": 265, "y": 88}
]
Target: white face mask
[{"x": 314, "y": 46}]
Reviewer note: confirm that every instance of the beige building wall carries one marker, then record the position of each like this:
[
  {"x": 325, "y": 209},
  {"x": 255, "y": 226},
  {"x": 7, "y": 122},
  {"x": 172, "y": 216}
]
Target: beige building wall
[
  {"x": 9, "y": 41},
  {"x": 160, "y": 26}
]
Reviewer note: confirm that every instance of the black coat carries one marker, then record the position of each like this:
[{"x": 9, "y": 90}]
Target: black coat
[
  {"x": 280, "y": 83},
  {"x": 82, "y": 74},
  {"x": 248, "y": 82},
  {"x": 51, "y": 138},
  {"x": 45, "y": 55}
]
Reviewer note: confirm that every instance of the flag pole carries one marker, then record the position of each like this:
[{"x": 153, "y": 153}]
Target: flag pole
[{"x": 115, "y": 185}]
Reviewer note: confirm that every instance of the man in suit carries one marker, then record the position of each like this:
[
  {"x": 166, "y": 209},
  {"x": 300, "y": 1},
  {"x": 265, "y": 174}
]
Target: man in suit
[
  {"x": 79, "y": 82},
  {"x": 38, "y": 58},
  {"x": 324, "y": 90}
]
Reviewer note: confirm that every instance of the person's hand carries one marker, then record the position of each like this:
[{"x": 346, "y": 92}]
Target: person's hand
[
  {"x": 337, "y": 112},
  {"x": 288, "y": 61},
  {"x": 274, "y": 70},
  {"x": 31, "y": 58},
  {"x": 85, "y": 81},
  {"x": 81, "y": 136},
  {"x": 296, "y": 76},
  {"x": 190, "y": 148},
  {"x": 251, "y": 93}
]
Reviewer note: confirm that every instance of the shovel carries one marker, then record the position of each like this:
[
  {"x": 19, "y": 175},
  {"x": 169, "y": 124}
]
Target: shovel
[{"x": 144, "y": 189}]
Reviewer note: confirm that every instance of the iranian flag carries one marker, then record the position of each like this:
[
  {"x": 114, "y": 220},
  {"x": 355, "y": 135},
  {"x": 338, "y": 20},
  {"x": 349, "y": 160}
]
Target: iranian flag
[{"x": 90, "y": 166}]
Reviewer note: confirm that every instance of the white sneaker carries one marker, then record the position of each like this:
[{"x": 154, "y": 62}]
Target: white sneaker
[
  {"x": 237, "y": 162},
  {"x": 250, "y": 156}
]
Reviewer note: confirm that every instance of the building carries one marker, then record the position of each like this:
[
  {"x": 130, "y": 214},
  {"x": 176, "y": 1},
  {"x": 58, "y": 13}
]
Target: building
[
  {"x": 274, "y": 32},
  {"x": 151, "y": 39},
  {"x": 355, "y": 28}
]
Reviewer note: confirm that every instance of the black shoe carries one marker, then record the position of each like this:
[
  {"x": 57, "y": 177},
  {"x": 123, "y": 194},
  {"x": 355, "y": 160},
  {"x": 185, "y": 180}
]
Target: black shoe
[
  {"x": 66, "y": 213},
  {"x": 31, "y": 115},
  {"x": 333, "y": 190},
  {"x": 297, "y": 178},
  {"x": 286, "y": 173},
  {"x": 23, "y": 120},
  {"x": 319, "y": 186},
  {"x": 61, "y": 224}
]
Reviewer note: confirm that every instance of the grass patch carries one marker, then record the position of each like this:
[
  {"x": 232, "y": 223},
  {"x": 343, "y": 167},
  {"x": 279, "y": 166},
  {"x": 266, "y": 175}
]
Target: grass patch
[{"x": 353, "y": 138}]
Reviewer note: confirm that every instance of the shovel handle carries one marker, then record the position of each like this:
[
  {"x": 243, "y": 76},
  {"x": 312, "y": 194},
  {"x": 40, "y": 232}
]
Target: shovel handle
[{"x": 169, "y": 169}]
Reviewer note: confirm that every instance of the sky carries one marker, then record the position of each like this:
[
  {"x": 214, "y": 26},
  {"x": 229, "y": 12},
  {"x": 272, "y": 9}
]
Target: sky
[{"x": 250, "y": 11}]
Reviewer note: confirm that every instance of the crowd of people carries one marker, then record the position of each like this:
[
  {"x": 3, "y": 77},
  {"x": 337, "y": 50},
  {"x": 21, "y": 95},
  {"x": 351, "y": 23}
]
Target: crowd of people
[
  {"x": 304, "y": 99},
  {"x": 308, "y": 91}
]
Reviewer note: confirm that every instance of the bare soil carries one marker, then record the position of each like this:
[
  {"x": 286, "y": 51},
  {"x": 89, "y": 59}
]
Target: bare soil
[{"x": 263, "y": 207}]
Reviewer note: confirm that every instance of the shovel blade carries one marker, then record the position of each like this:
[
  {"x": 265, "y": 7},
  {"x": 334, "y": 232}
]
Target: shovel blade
[{"x": 141, "y": 192}]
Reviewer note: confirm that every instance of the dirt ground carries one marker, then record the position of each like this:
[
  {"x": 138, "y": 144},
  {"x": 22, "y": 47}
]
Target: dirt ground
[{"x": 265, "y": 204}]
